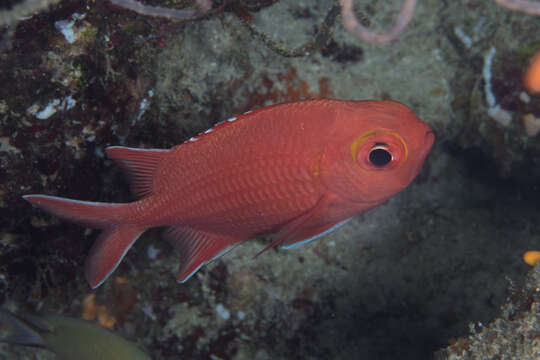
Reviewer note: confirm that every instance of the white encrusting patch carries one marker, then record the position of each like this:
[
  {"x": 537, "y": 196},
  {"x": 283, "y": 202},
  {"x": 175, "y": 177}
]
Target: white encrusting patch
[
  {"x": 231, "y": 119},
  {"x": 49, "y": 110},
  {"x": 208, "y": 131},
  {"x": 68, "y": 29},
  {"x": 465, "y": 39},
  {"x": 223, "y": 312},
  {"x": 152, "y": 252},
  {"x": 52, "y": 107},
  {"x": 486, "y": 73},
  {"x": 495, "y": 111},
  {"x": 247, "y": 112},
  {"x": 144, "y": 105},
  {"x": 193, "y": 139}
]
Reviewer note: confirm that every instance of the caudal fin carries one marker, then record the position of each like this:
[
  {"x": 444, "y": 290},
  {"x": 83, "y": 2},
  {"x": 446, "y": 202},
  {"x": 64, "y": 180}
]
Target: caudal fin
[
  {"x": 113, "y": 243},
  {"x": 107, "y": 252},
  {"x": 91, "y": 214}
]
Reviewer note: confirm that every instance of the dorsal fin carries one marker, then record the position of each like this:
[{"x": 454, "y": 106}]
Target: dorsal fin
[{"x": 140, "y": 166}]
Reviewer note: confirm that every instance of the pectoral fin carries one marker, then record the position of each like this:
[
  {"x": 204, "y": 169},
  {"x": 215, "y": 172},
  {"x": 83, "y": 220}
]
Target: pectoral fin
[
  {"x": 292, "y": 229},
  {"x": 308, "y": 235}
]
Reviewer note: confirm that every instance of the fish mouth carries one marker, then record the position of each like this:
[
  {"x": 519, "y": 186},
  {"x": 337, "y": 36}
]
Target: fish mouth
[{"x": 429, "y": 138}]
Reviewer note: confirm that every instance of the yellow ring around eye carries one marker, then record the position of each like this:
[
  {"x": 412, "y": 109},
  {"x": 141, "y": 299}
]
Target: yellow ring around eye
[{"x": 356, "y": 143}]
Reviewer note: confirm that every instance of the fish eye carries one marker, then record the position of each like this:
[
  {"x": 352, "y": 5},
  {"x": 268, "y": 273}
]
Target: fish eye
[
  {"x": 379, "y": 150},
  {"x": 379, "y": 155}
]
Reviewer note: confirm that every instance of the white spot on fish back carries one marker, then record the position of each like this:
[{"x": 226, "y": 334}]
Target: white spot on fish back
[{"x": 213, "y": 128}]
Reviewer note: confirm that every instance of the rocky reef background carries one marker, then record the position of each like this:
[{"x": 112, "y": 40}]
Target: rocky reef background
[{"x": 430, "y": 269}]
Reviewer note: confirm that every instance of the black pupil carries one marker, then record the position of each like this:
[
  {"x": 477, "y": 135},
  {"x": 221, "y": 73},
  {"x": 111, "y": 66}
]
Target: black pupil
[{"x": 379, "y": 157}]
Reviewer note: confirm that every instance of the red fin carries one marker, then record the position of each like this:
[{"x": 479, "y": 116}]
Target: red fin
[
  {"x": 139, "y": 164},
  {"x": 91, "y": 214},
  {"x": 310, "y": 234},
  {"x": 291, "y": 229},
  {"x": 111, "y": 245},
  {"x": 197, "y": 248},
  {"x": 107, "y": 252}
]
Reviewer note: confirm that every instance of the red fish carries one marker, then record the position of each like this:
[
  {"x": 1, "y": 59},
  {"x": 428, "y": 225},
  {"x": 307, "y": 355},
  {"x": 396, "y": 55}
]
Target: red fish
[{"x": 298, "y": 170}]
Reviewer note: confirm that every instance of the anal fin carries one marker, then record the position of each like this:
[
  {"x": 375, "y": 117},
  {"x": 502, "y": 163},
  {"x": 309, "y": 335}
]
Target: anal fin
[{"x": 197, "y": 248}]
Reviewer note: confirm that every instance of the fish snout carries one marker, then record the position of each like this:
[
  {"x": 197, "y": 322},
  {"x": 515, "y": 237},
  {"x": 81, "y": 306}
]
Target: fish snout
[{"x": 429, "y": 139}]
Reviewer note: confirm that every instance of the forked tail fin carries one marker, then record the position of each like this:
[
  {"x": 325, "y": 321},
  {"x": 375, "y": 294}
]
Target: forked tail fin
[
  {"x": 108, "y": 250},
  {"x": 95, "y": 215},
  {"x": 113, "y": 243}
]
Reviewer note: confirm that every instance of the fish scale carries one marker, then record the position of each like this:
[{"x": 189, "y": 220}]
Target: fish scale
[
  {"x": 246, "y": 189},
  {"x": 298, "y": 170}
]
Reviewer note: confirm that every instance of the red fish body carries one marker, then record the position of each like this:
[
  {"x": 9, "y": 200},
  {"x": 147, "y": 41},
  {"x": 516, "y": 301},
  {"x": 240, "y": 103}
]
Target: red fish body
[{"x": 297, "y": 170}]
